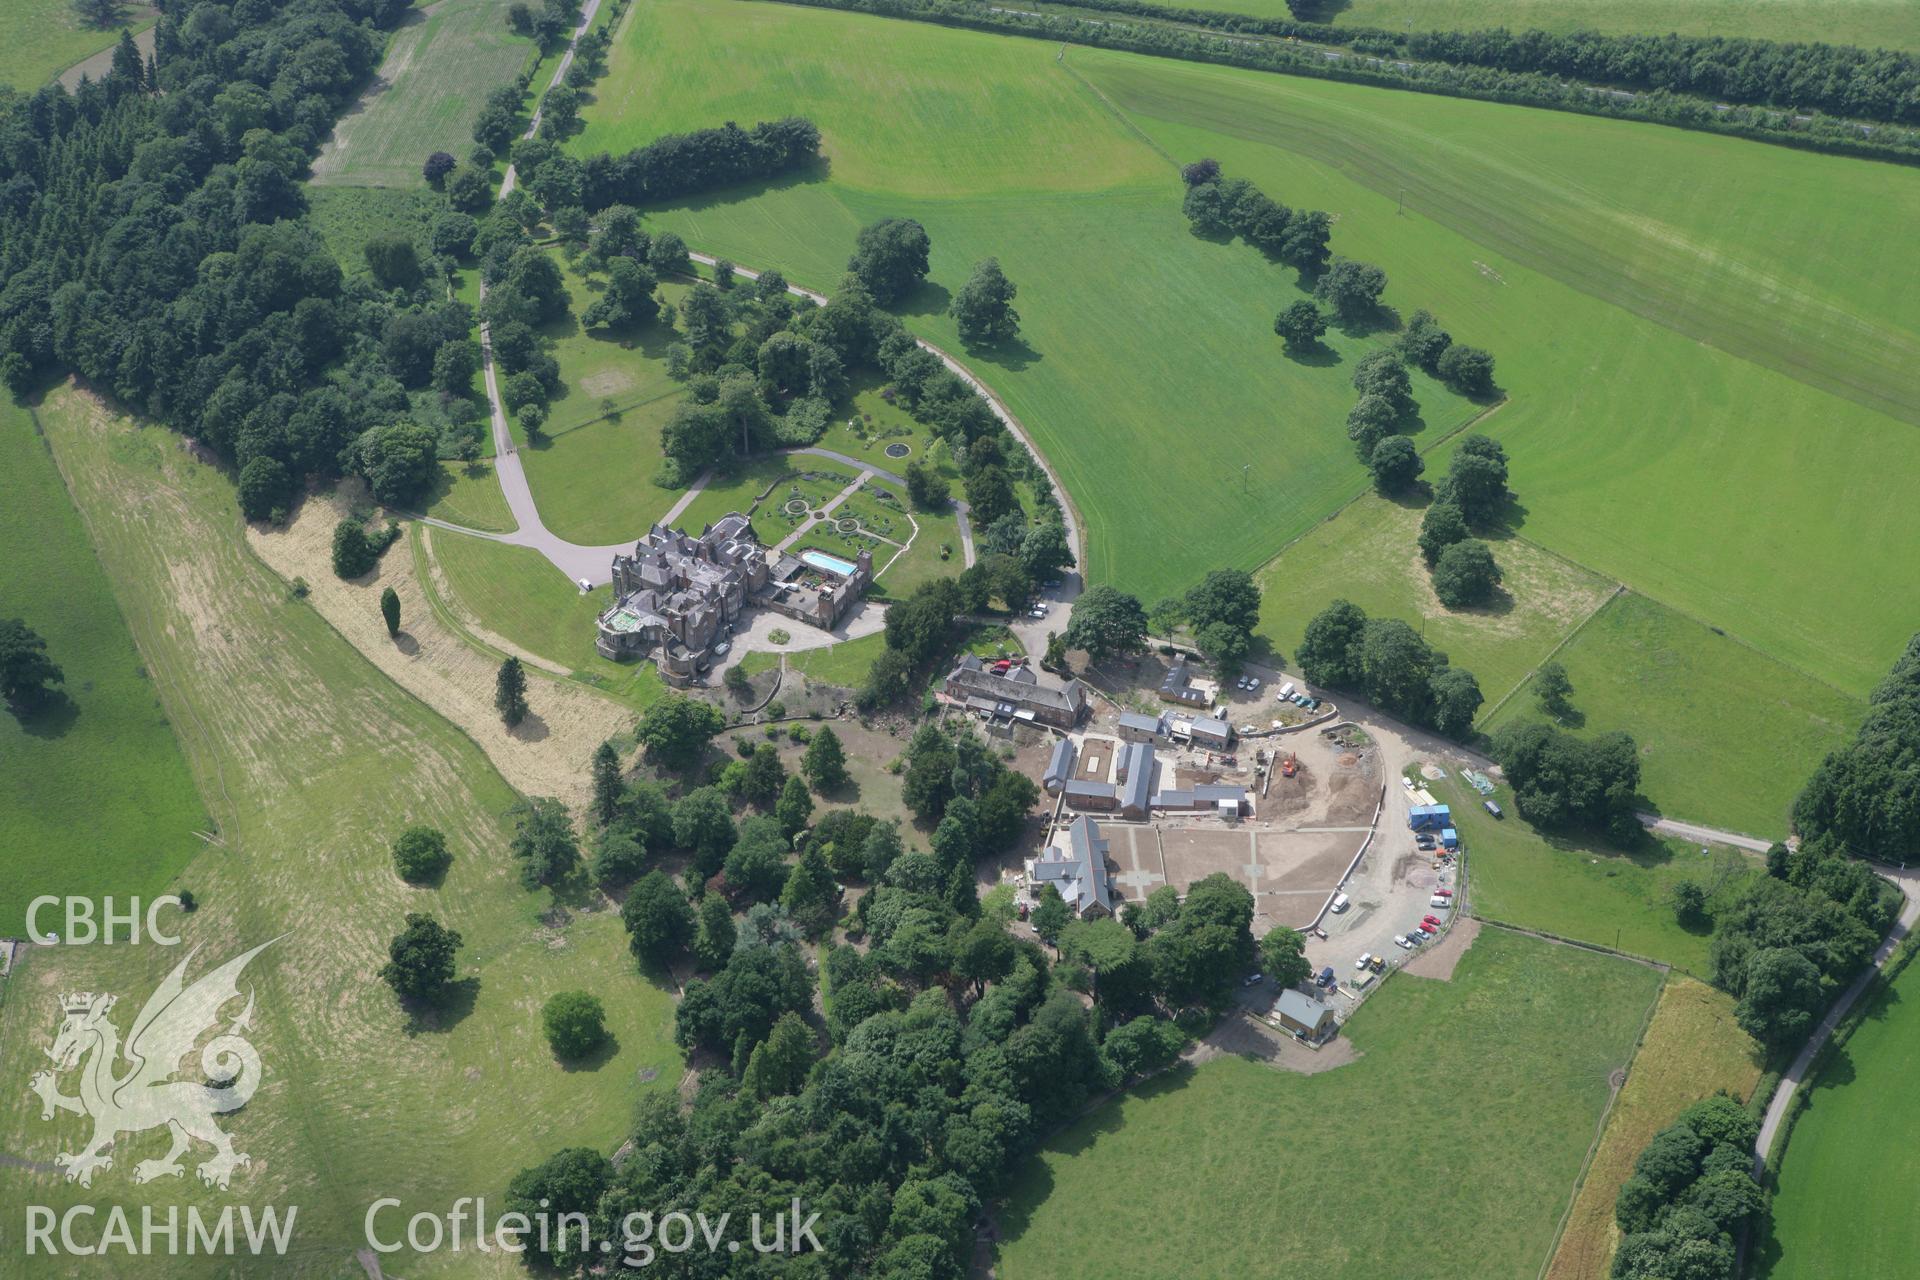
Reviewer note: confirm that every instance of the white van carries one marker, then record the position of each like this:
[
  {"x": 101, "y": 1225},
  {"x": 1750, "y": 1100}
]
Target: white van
[
  {"x": 1286, "y": 691},
  {"x": 1439, "y": 903},
  {"x": 1340, "y": 903}
]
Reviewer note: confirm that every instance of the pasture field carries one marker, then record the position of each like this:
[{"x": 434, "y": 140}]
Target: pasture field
[
  {"x": 1727, "y": 735},
  {"x": 1162, "y": 377},
  {"x": 1368, "y": 554},
  {"x": 95, "y": 797},
  {"x": 1692, "y": 1049},
  {"x": 41, "y": 38},
  {"x": 1871, "y": 24},
  {"x": 440, "y": 65},
  {"x": 348, "y": 217},
  {"x": 1585, "y": 889},
  {"x": 1693, "y": 339},
  {"x": 1238, "y": 1164},
  {"x": 517, "y": 594},
  {"x": 1842, "y": 1204},
  {"x": 468, "y": 494},
  {"x": 311, "y": 761}
]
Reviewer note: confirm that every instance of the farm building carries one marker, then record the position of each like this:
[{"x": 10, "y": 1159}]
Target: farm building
[
  {"x": 1015, "y": 693},
  {"x": 1224, "y": 801},
  {"x": 1178, "y": 687},
  {"x": 1211, "y": 733},
  {"x": 1302, "y": 1015},
  {"x": 1136, "y": 781},
  {"x": 1135, "y": 727},
  {"x": 1078, "y": 869},
  {"x": 1059, "y": 767}
]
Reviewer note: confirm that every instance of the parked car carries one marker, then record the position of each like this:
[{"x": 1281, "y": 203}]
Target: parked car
[
  {"x": 1366, "y": 958},
  {"x": 1416, "y": 937},
  {"x": 1443, "y": 893},
  {"x": 720, "y": 650},
  {"x": 1241, "y": 683},
  {"x": 1318, "y": 932},
  {"x": 1253, "y": 979},
  {"x": 1340, "y": 903},
  {"x": 1429, "y": 928},
  {"x": 1051, "y": 584},
  {"x": 1253, "y": 683},
  {"x": 1430, "y": 918},
  {"x": 1326, "y": 978},
  {"x": 1378, "y": 964},
  {"x": 1493, "y": 809},
  {"x": 1439, "y": 903},
  {"x": 1400, "y": 940}
]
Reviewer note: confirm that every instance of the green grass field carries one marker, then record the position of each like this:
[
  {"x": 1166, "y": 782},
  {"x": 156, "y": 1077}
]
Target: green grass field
[
  {"x": 1160, "y": 378},
  {"x": 311, "y": 760},
  {"x": 1840, "y": 1208},
  {"x": 95, "y": 798},
  {"x": 41, "y": 38},
  {"x": 1368, "y": 554},
  {"x": 1585, "y": 889},
  {"x": 1727, "y": 735},
  {"x": 440, "y": 66},
  {"x": 468, "y": 494},
  {"x": 516, "y": 593},
  {"x": 1496, "y": 1079},
  {"x": 1872, "y": 24}
]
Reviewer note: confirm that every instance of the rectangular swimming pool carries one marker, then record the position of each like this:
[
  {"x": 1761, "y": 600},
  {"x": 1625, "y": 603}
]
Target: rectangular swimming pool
[{"x": 826, "y": 563}]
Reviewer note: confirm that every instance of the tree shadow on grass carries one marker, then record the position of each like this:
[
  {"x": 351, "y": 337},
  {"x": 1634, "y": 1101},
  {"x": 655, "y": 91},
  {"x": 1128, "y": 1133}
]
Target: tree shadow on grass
[
  {"x": 1012, "y": 355},
  {"x": 1314, "y": 355},
  {"x": 816, "y": 170},
  {"x": 594, "y": 1059},
  {"x": 49, "y": 717},
  {"x": 928, "y": 298},
  {"x": 448, "y": 1012}
]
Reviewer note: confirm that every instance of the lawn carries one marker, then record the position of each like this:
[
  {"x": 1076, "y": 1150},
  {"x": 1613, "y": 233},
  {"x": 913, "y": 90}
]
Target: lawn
[
  {"x": 1157, "y": 389},
  {"x": 517, "y": 594},
  {"x": 1497, "y": 1079},
  {"x": 1727, "y": 735},
  {"x": 468, "y": 494},
  {"x": 1692, "y": 1049},
  {"x": 95, "y": 797},
  {"x": 1893, "y": 24},
  {"x": 1369, "y": 554},
  {"x": 1585, "y": 889},
  {"x": 312, "y": 761},
  {"x": 844, "y": 664},
  {"x": 41, "y": 38},
  {"x": 440, "y": 66},
  {"x": 1843, "y": 1204}
]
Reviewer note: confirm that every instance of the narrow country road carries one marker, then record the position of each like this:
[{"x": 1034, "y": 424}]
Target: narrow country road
[
  {"x": 1701, "y": 835},
  {"x": 1908, "y": 883}
]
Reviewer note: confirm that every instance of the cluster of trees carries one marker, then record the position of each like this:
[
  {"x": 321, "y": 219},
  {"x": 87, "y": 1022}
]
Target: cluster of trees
[
  {"x": 1793, "y": 938},
  {"x": 1861, "y": 80},
  {"x": 1472, "y": 493},
  {"x": 154, "y": 239},
  {"x": 983, "y": 309},
  {"x": 1389, "y": 664},
  {"x": 1560, "y": 780},
  {"x": 1864, "y": 799},
  {"x": 1468, "y": 370},
  {"x": 1220, "y": 612},
  {"x": 27, "y": 674},
  {"x": 683, "y": 164},
  {"x": 355, "y": 551},
  {"x": 955, "y": 1048},
  {"x": 1216, "y": 206},
  {"x": 1692, "y": 1191},
  {"x": 548, "y": 25}
]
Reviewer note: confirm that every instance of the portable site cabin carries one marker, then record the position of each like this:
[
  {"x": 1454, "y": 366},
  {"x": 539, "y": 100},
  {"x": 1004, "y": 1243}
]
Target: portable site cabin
[
  {"x": 1429, "y": 817},
  {"x": 1449, "y": 838}
]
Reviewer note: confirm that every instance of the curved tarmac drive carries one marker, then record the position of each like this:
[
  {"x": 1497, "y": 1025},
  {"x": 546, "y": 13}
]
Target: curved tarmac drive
[{"x": 1908, "y": 882}]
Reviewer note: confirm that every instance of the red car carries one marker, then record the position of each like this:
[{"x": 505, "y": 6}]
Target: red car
[
  {"x": 1433, "y": 920},
  {"x": 1443, "y": 893},
  {"x": 1427, "y": 926}
]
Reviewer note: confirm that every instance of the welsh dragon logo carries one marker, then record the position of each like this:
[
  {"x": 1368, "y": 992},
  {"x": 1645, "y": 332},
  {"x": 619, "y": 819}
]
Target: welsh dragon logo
[{"x": 144, "y": 1095}]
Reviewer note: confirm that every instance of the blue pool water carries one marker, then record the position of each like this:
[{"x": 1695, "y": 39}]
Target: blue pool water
[{"x": 830, "y": 564}]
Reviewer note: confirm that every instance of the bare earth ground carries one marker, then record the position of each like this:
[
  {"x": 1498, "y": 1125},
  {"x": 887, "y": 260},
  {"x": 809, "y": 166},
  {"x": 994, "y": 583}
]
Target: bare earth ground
[
  {"x": 1440, "y": 962},
  {"x": 547, "y": 754}
]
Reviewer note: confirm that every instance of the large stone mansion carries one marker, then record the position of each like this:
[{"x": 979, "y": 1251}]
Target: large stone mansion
[{"x": 677, "y": 596}]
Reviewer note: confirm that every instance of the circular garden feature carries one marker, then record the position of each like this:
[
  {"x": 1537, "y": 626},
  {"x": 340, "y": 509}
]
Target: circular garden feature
[
  {"x": 795, "y": 506},
  {"x": 897, "y": 450}
]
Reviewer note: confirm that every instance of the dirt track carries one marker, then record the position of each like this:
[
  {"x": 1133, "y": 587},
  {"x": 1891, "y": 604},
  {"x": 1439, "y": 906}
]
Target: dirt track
[{"x": 546, "y": 755}]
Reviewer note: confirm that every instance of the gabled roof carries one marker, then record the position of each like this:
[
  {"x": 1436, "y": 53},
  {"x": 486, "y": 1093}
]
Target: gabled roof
[
  {"x": 1301, "y": 1007},
  {"x": 1078, "y": 871}
]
